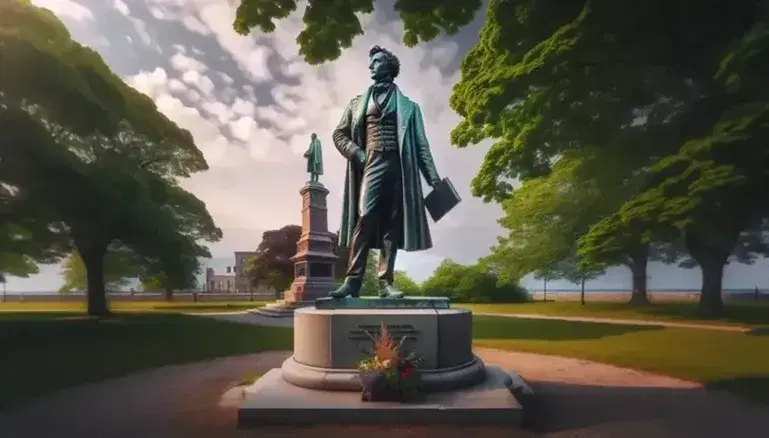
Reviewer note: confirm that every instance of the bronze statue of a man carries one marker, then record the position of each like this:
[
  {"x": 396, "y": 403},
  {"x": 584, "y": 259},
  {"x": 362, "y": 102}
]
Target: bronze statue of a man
[
  {"x": 382, "y": 135},
  {"x": 314, "y": 157}
]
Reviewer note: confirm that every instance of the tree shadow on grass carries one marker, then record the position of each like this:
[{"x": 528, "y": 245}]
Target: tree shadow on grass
[
  {"x": 489, "y": 327},
  {"x": 736, "y": 312},
  {"x": 630, "y": 412},
  {"x": 751, "y": 387},
  {"x": 759, "y": 331}
]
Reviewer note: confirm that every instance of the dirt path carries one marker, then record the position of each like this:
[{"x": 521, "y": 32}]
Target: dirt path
[{"x": 578, "y": 399}]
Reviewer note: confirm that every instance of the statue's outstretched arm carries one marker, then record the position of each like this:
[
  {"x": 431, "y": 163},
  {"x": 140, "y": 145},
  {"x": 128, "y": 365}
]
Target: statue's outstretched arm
[
  {"x": 425, "y": 157},
  {"x": 342, "y": 137}
]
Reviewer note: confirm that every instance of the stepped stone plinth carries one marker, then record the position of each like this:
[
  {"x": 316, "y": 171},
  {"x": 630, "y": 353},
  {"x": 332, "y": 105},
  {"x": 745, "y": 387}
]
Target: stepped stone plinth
[{"x": 320, "y": 383}]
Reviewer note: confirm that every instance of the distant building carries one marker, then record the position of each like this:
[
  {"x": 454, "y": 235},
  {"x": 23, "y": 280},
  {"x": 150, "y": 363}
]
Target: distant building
[
  {"x": 233, "y": 281},
  {"x": 241, "y": 282}
]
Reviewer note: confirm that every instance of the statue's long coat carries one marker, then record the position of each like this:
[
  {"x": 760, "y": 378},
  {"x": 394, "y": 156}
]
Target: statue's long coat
[
  {"x": 314, "y": 156},
  {"x": 415, "y": 158}
]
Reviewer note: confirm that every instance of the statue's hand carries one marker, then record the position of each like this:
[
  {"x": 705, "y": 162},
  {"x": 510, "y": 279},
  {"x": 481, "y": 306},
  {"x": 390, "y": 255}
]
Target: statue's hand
[
  {"x": 360, "y": 158},
  {"x": 434, "y": 182}
]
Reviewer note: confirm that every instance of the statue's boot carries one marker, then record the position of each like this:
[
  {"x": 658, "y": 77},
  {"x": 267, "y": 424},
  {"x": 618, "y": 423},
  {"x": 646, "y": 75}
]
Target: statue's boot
[
  {"x": 388, "y": 290},
  {"x": 350, "y": 288}
]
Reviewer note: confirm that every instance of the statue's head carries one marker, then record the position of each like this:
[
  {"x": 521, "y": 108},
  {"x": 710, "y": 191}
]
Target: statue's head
[
  {"x": 313, "y": 136},
  {"x": 383, "y": 64}
]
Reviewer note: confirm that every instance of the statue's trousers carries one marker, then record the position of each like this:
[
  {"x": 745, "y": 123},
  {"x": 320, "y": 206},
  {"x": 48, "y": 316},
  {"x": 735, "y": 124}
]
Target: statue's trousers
[{"x": 380, "y": 207}]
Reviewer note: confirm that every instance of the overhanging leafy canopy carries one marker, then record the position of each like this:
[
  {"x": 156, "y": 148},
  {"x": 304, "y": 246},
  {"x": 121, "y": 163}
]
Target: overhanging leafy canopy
[{"x": 331, "y": 25}]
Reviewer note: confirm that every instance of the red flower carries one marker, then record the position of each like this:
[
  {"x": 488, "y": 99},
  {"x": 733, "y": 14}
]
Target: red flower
[{"x": 407, "y": 370}]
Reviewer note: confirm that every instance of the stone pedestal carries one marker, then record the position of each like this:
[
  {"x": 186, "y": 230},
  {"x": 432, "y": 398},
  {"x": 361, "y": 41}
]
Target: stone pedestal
[
  {"x": 328, "y": 344},
  {"x": 314, "y": 261},
  {"x": 320, "y": 383}
]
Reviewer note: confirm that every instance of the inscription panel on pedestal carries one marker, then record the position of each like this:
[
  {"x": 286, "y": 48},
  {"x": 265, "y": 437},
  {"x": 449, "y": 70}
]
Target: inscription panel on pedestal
[
  {"x": 320, "y": 270},
  {"x": 364, "y": 335},
  {"x": 300, "y": 269},
  {"x": 351, "y": 329}
]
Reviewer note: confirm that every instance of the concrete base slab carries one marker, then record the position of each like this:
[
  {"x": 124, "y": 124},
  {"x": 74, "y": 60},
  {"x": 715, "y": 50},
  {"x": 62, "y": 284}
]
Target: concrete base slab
[
  {"x": 271, "y": 401},
  {"x": 281, "y": 308}
]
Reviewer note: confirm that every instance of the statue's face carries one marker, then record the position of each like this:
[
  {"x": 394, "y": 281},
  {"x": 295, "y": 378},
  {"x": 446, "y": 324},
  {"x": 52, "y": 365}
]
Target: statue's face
[{"x": 379, "y": 67}]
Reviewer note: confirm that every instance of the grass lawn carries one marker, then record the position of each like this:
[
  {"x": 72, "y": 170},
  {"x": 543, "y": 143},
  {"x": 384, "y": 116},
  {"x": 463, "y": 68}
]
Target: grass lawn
[
  {"x": 738, "y": 362},
  {"x": 134, "y": 306},
  {"x": 738, "y": 313},
  {"x": 41, "y": 352}
]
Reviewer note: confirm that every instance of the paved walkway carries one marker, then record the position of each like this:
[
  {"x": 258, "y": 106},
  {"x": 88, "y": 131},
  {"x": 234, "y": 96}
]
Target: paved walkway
[{"x": 578, "y": 399}]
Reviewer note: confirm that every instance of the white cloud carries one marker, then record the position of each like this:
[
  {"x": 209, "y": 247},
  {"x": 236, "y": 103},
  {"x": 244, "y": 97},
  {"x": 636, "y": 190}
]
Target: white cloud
[
  {"x": 207, "y": 17},
  {"x": 158, "y": 13},
  {"x": 219, "y": 110},
  {"x": 243, "y": 108},
  {"x": 66, "y": 8},
  {"x": 227, "y": 79},
  {"x": 178, "y": 86},
  {"x": 141, "y": 29},
  {"x": 150, "y": 83},
  {"x": 206, "y": 133},
  {"x": 182, "y": 62},
  {"x": 121, "y": 7},
  {"x": 243, "y": 128},
  {"x": 194, "y": 24},
  {"x": 193, "y": 95},
  {"x": 203, "y": 82}
]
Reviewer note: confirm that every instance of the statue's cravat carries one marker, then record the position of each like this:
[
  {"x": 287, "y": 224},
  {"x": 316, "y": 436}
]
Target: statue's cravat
[{"x": 381, "y": 89}]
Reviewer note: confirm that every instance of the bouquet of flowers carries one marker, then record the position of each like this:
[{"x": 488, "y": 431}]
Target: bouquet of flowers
[{"x": 387, "y": 374}]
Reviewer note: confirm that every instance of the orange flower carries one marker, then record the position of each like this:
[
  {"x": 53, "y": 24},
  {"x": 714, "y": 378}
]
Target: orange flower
[{"x": 384, "y": 347}]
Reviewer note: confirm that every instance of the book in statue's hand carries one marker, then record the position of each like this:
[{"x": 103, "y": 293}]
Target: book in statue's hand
[{"x": 442, "y": 199}]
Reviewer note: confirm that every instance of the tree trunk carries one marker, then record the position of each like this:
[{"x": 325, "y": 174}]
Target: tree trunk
[
  {"x": 545, "y": 289},
  {"x": 169, "y": 294},
  {"x": 93, "y": 259},
  {"x": 711, "y": 303},
  {"x": 711, "y": 260},
  {"x": 638, "y": 265},
  {"x": 582, "y": 292}
]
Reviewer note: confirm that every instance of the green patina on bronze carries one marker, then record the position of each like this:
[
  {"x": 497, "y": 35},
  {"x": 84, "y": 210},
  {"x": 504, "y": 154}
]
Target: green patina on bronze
[
  {"x": 382, "y": 136},
  {"x": 383, "y": 303},
  {"x": 314, "y": 157}
]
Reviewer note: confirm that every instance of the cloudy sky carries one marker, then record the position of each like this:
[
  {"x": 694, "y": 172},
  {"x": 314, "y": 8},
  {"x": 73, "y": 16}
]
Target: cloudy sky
[{"x": 251, "y": 104}]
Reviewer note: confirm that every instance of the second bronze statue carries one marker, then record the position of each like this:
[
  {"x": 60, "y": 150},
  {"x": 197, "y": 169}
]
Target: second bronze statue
[
  {"x": 382, "y": 136},
  {"x": 314, "y": 157}
]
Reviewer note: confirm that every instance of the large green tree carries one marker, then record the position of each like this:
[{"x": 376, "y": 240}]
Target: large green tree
[
  {"x": 94, "y": 151},
  {"x": 120, "y": 267},
  {"x": 546, "y": 215},
  {"x": 639, "y": 81}
]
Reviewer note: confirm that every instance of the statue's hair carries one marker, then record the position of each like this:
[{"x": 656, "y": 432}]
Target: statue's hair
[{"x": 392, "y": 60}]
